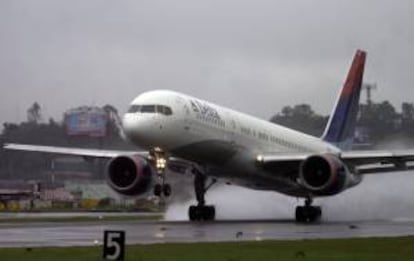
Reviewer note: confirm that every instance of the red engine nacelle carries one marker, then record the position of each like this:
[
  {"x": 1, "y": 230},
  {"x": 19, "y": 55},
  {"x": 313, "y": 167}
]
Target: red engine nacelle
[
  {"x": 129, "y": 175},
  {"x": 325, "y": 175}
]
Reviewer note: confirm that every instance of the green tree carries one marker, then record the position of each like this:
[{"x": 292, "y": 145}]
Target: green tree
[
  {"x": 34, "y": 113},
  {"x": 380, "y": 118},
  {"x": 302, "y": 118},
  {"x": 407, "y": 117}
]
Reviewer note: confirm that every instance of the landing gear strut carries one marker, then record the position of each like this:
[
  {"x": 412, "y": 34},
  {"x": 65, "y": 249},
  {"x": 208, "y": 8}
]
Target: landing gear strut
[
  {"x": 201, "y": 211},
  {"x": 160, "y": 161},
  {"x": 308, "y": 213}
]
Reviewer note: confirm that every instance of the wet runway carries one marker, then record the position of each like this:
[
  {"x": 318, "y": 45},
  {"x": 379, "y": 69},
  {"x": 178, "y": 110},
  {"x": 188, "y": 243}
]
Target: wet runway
[{"x": 144, "y": 232}]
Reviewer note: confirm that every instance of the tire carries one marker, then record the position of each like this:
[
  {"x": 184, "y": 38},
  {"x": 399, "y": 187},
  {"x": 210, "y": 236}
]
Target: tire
[
  {"x": 308, "y": 214},
  {"x": 192, "y": 213},
  {"x": 317, "y": 213},
  {"x": 157, "y": 190},
  {"x": 166, "y": 189},
  {"x": 299, "y": 215},
  {"x": 211, "y": 212},
  {"x": 204, "y": 213}
]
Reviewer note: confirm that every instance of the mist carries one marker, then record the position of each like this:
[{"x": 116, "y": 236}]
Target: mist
[{"x": 379, "y": 196}]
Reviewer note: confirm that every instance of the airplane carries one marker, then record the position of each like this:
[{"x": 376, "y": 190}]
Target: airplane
[{"x": 184, "y": 134}]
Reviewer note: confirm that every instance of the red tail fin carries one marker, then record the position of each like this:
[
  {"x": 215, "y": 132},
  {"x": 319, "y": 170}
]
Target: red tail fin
[{"x": 341, "y": 125}]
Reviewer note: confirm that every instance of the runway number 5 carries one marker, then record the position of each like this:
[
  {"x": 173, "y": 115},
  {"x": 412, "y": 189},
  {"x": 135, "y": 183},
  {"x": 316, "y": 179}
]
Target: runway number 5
[{"x": 114, "y": 245}]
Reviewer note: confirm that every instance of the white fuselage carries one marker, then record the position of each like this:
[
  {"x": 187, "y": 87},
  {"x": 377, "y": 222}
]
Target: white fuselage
[{"x": 225, "y": 141}]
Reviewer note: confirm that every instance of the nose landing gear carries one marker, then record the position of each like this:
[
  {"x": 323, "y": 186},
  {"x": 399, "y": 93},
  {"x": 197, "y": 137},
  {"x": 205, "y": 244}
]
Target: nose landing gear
[{"x": 161, "y": 188}]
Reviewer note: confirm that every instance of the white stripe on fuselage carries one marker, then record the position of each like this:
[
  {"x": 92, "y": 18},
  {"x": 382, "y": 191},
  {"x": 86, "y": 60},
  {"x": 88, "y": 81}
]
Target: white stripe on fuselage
[{"x": 194, "y": 120}]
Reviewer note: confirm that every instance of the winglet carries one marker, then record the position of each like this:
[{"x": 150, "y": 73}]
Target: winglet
[{"x": 341, "y": 125}]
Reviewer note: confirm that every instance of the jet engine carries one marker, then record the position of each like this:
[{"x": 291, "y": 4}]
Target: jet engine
[
  {"x": 129, "y": 175},
  {"x": 326, "y": 174}
]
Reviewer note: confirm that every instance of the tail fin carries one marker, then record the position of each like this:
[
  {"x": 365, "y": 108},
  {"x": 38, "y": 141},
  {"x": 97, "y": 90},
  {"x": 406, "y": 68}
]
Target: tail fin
[{"x": 341, "y": 125}]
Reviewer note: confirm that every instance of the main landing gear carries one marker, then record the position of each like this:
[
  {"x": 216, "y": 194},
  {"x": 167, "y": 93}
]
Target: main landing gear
[
  {"x": 161, "y": 188},
  {"x": 308, "y": 213},
  {"x": 201, "y": 211}
]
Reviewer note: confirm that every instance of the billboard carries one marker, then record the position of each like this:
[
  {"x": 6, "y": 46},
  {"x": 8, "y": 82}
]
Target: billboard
[{"x": 86, "y": 121}]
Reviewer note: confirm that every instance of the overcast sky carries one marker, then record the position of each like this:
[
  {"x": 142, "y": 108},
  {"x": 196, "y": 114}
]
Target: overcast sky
[{"x": 254, "y": 56}]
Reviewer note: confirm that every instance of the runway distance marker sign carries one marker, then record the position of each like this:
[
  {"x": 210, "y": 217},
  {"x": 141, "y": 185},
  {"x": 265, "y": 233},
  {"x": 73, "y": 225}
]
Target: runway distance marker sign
[{"x": 114, "y": 245}]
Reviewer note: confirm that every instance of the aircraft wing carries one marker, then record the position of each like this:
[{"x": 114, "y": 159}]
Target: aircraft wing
[
  {"x": 364, "y": 156},
  {"x": 378, "y": 161},
  {"x": 281, "y": 157},
  {"x": 83, "y": 152},
  {"x": 365, "y": 162},
  {"x": 175, "y": 164}
]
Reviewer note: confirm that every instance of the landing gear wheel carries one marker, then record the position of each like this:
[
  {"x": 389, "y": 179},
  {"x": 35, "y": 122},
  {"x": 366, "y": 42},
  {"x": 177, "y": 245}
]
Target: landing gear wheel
[
  {"x": 157, "y": 190},
  {"x": 162, "y": 189},
  {"x": 308, "y": 214},
  {"x": 166, "y": 189},
  {"x": 198, "y": 213},
  {"x": 192, "y": 213},
  {"x": 211, "y": 213}
]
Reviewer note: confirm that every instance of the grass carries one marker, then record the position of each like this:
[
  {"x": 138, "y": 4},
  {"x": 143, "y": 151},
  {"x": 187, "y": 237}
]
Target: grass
[
  {"x": 79, "y": 219},
  {"x": 338, "y": 249}
]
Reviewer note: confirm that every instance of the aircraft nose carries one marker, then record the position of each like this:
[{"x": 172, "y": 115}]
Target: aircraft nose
[
  {"x": 130, "y": 123},
  {"x": 137, "y": 127}
]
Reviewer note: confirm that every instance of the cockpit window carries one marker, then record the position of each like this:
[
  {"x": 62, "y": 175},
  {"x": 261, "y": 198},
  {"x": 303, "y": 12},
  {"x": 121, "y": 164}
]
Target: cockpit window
[
  {"x": 167, "y": 110},
  {"x": 161, "y": 109},
  {"x": 134, "y": 108},
  {"x": 147, "y": 108},
  {"x": 164, "y": 110}
]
